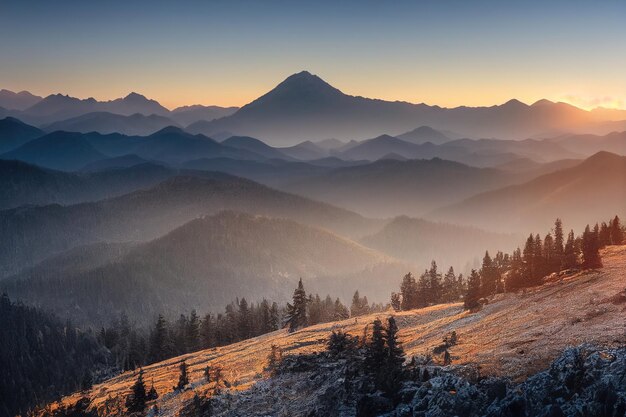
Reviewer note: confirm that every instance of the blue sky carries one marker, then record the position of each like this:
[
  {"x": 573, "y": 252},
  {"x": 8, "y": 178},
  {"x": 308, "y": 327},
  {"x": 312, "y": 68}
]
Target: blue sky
[{"x": 229, "y": 52}]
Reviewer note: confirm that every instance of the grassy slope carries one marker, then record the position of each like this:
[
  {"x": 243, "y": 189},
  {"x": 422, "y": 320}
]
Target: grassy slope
[{"x": 515, "y": 335}]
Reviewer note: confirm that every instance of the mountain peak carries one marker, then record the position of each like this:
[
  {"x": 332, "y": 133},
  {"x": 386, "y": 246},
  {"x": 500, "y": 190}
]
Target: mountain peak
[
  {"x": 135, "y": 97},
  {"x": 305, "y": 83},
  {"x": 542, "y": 102},
  {"x": 514, "y": 103}
]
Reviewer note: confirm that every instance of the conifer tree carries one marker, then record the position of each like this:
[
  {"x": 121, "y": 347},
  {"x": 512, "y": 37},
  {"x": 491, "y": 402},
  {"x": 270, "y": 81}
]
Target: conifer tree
[
  {"x": 159, "y": 341},
  {"x": 375, "y": 354},
  {"x": 449, "y": 287},
  {"x": 604, "y": 235},
  {"x": 274, "y": 317},
  {"x": 152, "y": 393},
  {"x": 244, "y": 320},
  {"x": 297, "y": 312},
  {"x": 136, "y": 400},
  {"x": 192, "y": 333},
  {"x": 340, "y": 312},
  {"x": 396, "y": 303},
  {"x": 570, "y": 255},
  {"x": 394, "y": 358},
  {"x": 472, "y": 296},
  {"x": 409, "y": 292},
  {"x": 590, "y": 247},
  {"x": 207, "y": 374},
  {"x": 559, "y": 242},
  {"x": 528, "y": 261},
  {"x": 183, "y": 378},
  {"x": 434, "y": 283},
  {"x": 617, "y": 235},
  {"x": 489, "y": 276}
]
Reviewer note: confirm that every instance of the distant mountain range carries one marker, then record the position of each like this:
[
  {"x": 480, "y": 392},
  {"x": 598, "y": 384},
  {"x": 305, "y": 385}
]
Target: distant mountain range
[
  {"x": 104, "y": 122},
  {"x": 58, "y": 111},
  {"x": 206, "y": 263},
  {"x": 306, "y": 107},
  {"x": 391, "y": 187},
  {"x": 593, "y": 190},
  {"x": 17, "y": 101}
]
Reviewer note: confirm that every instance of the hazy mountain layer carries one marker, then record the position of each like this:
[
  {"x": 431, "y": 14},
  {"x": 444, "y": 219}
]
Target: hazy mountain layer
[
  {"x": 594, "y": 190},
  {"x": 203, "y": 264},
  {"x": 34, "y": 233}
]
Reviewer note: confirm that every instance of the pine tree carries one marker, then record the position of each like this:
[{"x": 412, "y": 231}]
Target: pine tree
[
  {"x": 472, "y": 296},
  {"x": 570, "y": 255},
  {"x": 435, "y": 283},
  {"x": 515, "y": 277},
  {"x": 617, "y": 235},
  {"x": 152, "y": 393},
  {"x": 274, "y": 317},
  {"x": 449, "y": 287},
  {"x": 183, "y": 379},
  {"x": 409, "y": 292},
  {"x": 528, "y": 261},
  {"x": 244, "y": 326},
  {"x": 159, "y": 341},
  {"x": 207, "y": 374},
  {"x": 375, "y": 353},
  {"x": 340, "y": 312},
  {"x": 424, "y": 294},
  {"x": 359, "y": 306},
  {"x": 297, "y": 312},
  {"x": 489, "y": 276},
  {"x": 136, "y": 400},
  {"x": 394, "y": 358},
  {"x": 538, "y": 261},
  {"x": 604, "y": 235},
  {"x": 396, "y": 303},
  {"x": 273, "y": 359},
  {"x": 559, "y": 242},
  {"x": 192, "y": 332},
  {"x": 590, "y": 248}
]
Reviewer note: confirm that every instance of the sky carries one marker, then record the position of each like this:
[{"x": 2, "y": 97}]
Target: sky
[{"x": 446, "y": 53}]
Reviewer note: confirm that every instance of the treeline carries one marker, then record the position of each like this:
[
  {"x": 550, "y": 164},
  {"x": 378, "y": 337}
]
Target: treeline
[
  {"x": 309, "y": 310},
  {"x": 132, "y": 348},
  {"x": 540, "y": 258},
  {"x": 505, "y": 272},
  {"x": 431, "y": 288},
  {"x": 42, "y": 358}
]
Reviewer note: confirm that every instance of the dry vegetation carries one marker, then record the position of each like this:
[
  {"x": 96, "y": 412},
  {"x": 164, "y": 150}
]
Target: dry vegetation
[{"x": 514, "y": 335}]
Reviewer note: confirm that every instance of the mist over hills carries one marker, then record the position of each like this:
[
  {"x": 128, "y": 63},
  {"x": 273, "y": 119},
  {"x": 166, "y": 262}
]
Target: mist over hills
[
  {"x": 392, "y": 187},
  {"x": 33, "y": 233},
  {"x": 187, "y": 115},
  {"x": 104, "y": 122},
  {"x": 205, "y": 262},
  {"x": 420, "y": 241},
  {"x": 595, "y": 188}
]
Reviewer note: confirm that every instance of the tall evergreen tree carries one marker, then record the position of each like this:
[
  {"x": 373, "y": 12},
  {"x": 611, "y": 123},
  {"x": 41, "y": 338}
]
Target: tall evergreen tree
[
  {"x": 559, "y": 242},
  {"x": 183, "y": 378},
  {"x": 570, "y": 254},
  {"x": 489, "y": 276},
  {"x": 617, "y": 234},
  {"x": 159, "y": 346},
  {"x": 590, "y": 249},
  {"x": 136, "y": 400},
  {"x": 409, "y": 292},
  {"x": 394, "y": 358},
  {"x": 449, "y": 287},
  {"x": 434, "y": 283},
  {"x": 192, "y": 333},
  {"x": 340, "y": 312},
  {"x": 472, "y": 296},
  {"x": 604, "y": 235},
  {"x": 297, "y": 312}
]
